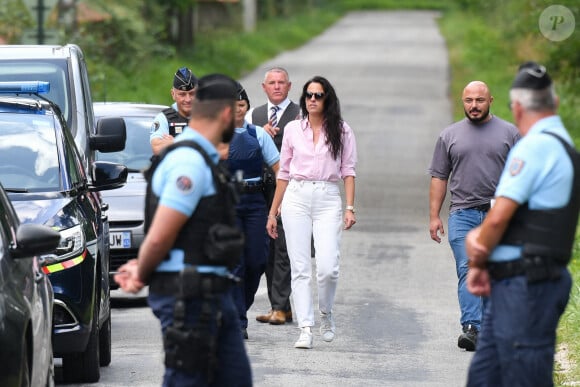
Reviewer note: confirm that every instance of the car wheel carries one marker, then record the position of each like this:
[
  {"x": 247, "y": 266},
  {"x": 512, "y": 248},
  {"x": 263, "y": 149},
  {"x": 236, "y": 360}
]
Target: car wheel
[
  {"x": 85, "y": 366},
  {"x": 24, "y": 369},
  {"x": 105, "y": 342}
]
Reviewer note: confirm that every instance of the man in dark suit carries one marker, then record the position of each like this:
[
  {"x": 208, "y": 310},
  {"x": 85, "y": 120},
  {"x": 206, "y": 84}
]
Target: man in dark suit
[{"x": 273, "y": 116}]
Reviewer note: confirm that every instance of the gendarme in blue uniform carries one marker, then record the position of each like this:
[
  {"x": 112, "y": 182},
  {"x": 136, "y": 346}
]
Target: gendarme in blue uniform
[
  {"x": 544, "y": 182},
  {"x": 160, "y": 125},
  {"x": 180, "y": 181},
  {"x": 516, "y": 307},
  {"x": 253, "y": 144},
  {"x": 250, "y": 148},
  {"x": 170, "y": 121}
]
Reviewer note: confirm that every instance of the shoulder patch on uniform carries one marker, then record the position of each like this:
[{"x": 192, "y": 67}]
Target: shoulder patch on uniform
[
  {"x": 516, "y": 166},
  {"x": 154, "y": 126},
  {"x": 184, "y": 184}
]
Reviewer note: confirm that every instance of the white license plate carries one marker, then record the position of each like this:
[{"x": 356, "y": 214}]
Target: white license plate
[{"x": 120, "y": 240}]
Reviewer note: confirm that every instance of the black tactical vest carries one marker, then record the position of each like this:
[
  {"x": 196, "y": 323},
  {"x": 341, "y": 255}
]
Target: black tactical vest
[
  {"x": 245, "y": 154},
  {"x": 548, "y": 233},
  {"x": 211, "y": 211},
  {"x": 175, "y": 121}
]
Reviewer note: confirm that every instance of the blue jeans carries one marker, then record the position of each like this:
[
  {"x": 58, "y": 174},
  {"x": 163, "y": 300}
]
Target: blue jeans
[
  {"x": 460, "y": 223},
  {"x": 233, "y": 367},
  {"x": 518, "y": 336}
]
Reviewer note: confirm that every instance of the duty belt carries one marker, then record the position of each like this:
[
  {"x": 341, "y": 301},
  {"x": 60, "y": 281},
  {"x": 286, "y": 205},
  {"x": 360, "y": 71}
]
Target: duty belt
[
  {"x": 535, "y": 268},
  {"x": 252, "y": 187},
  {"x": 188, "y": 283}
]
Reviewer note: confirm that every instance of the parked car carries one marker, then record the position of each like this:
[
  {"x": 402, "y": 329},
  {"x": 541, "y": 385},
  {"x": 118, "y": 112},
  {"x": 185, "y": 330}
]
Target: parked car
[
  {"x": 25, "y": 301},
  {"x": 65, "y": 68},
  {"x": 127, "y": 204},
  {"x": 43, "y": 174}
]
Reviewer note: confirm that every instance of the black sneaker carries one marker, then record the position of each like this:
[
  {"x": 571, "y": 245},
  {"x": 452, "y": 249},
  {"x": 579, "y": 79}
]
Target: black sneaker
[{"x": 468, "y": 339}]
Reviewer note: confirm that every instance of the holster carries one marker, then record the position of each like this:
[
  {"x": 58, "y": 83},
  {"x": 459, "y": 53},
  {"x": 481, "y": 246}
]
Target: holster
[
  {"x": 193, "y": 349},
  {"x": 541, "y": 269}
]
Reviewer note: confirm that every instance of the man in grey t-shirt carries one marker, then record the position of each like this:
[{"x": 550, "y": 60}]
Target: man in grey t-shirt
[{"x": 469, "y": 157}]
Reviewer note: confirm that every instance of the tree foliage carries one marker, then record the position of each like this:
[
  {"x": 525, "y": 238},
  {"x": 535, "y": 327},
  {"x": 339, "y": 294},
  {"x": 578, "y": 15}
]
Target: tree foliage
[
  {"x": 130, "y": 35},
  {"x": 14, "y": 17}
]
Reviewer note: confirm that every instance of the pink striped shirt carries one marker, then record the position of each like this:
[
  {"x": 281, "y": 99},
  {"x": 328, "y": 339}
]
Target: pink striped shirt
[{"x": 300, "y": 159}]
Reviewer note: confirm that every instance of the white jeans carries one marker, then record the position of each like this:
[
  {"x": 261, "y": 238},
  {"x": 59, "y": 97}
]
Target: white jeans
[{"x": 312, "y": 208}]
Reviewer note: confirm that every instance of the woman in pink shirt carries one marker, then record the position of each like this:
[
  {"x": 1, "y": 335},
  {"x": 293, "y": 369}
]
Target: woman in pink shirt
[{"x": 317, "y": 151}]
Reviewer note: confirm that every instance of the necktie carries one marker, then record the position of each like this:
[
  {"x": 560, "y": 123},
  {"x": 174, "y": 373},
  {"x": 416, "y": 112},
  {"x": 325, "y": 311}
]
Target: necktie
[{"x": 274, "y": 116}]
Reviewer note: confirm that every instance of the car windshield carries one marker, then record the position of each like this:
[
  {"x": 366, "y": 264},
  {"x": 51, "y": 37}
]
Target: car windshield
[
  {"x": 137, "y": 153},
  {"x": 38, "y": 70},
  {"x": 28, "y": 153}
]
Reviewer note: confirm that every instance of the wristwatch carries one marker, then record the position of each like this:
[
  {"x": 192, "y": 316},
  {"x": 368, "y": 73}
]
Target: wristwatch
[{"x": 350, "y": 208}]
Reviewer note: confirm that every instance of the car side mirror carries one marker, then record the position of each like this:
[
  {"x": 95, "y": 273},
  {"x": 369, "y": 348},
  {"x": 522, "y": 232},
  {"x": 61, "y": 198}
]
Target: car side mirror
[
  {"x": 34, "y": 239},
  {"x": 107, "y": 176},
  {"x": 110, "y": 136}
]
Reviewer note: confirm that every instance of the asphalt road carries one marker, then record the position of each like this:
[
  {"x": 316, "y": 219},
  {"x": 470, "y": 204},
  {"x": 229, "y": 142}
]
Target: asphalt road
[{"x": 396, "y": 309}]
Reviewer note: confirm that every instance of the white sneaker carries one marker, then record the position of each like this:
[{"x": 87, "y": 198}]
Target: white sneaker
[
  {"x": 305, "y": 339},
  {"x": 327, "y": 326}
]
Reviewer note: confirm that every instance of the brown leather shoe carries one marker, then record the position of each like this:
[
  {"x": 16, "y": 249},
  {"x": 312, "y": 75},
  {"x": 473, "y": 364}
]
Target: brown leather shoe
[
  {"x": 278, "y": 317},
  {"x": 264, "y": 318},
  {"x": 289, "y": 316}
]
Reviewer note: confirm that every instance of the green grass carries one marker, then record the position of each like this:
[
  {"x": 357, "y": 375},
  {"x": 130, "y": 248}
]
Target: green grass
[
  {"x": 569, "y": 329},
  {"x": 474, "y": 58}
]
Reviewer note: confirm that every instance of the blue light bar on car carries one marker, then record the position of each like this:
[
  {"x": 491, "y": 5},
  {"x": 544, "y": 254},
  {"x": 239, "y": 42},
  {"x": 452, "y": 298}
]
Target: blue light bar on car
[{"x": 32, "y": 87}]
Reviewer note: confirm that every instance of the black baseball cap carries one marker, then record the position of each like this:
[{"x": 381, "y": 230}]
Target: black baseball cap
[
  {"x": 184, "y": 79},
  {"x": 531, "y": 75},
  {"x": 216, "y": 86}
]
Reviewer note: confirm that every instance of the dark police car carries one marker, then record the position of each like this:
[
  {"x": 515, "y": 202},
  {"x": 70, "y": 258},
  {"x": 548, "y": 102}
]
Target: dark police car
[
  {"x": 44, "y": 175},
  {"x": 25, "y": 301}
]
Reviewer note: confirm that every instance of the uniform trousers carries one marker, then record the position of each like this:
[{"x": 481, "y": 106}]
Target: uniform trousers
[
  {"x": 233, "y": 367},
  {"x": 460, "y": 223},
  {"x": 312, "y": 209},
  {"x": 251, "y": 217},
  {"x": 278, "y": 272},
  {"x": 516, "y": 345}
]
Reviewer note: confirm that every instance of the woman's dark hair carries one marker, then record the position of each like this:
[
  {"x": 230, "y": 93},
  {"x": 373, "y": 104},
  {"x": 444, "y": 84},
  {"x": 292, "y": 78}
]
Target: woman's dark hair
[{"x": 331, "y": 112}]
